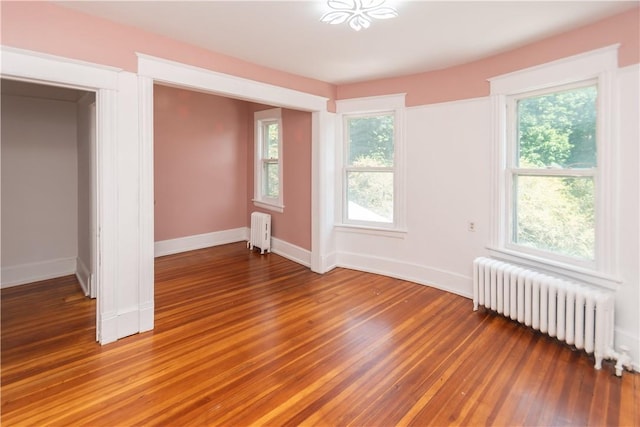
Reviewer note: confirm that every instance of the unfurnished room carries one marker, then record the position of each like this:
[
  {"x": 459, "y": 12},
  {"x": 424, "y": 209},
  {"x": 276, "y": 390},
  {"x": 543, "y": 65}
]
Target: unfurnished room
[{"x": 342, "y": 212}]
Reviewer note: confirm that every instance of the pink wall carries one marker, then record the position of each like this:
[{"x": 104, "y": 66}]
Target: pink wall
[
  {"x": 45, "y": 27},
  {"x": 470, "y": 80},
  {"x": 294, "y": 224},
  {"x": 203, "y": 171},
  {"x": 200, "y": 168}
]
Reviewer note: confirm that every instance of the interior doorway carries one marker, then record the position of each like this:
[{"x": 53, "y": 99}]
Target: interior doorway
[
  {"x": 48, "y": 184},
  {"x": 153, "y": 71}
]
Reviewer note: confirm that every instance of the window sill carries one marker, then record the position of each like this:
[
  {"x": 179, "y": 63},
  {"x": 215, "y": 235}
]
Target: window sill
[
  {"x": 269, "y": 206},
  {"x": 373, "y": 231},
  {"x": 571, "y": 272}
]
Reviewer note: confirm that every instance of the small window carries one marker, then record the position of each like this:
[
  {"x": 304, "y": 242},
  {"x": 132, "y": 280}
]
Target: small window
[
  {"x": 552, "y": 171},
  {"x": 268, "y": 160}
]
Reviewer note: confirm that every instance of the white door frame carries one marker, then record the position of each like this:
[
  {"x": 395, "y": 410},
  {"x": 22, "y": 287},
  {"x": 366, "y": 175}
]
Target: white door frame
[
  {"x": 93, "y": 226},
  {"x": 161, "y": 70},
  {"x": 35, "y": 67}
]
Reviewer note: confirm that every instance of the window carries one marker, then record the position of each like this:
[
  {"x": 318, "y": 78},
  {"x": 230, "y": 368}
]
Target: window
[
  {"x": 372, "y": 184},
  {"x": 369, "y": 168},
  {"x": 555, "y": 196},
  {"x": 552, "y": 168},
  {"x": 268, "y": 160}
]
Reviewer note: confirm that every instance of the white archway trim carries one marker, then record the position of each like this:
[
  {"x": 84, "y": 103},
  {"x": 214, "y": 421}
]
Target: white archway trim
[
  {"x": 152, "y": 69},
  {"x": 167, "y": 71},
  {"x": 146, "y": 218},
  {"x": 42, "y": 68}
]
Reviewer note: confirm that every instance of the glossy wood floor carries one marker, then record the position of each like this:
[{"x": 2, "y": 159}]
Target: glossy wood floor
[{"x": 243, "y": 339}]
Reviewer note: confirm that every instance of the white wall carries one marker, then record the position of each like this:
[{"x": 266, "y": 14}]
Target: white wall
[
  {"x": 449, "y": 184},
  {"x": 39, "y": 189},
  {"x": 628, "y": 296}
]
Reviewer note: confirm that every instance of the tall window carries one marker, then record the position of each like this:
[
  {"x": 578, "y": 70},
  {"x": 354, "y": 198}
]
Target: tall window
[
  {"x": 369, "y": 170},
  {"x": 268, "y": 160},
  {"x": 555, "y": 200},
  {"x": 552, "y": 168},
  {"x": 372, "y": 173}
]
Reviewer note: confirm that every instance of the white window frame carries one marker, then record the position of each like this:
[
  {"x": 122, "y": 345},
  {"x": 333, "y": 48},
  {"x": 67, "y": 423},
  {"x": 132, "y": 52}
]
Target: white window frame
[
  {"x": 363, "y": 107},
  {"x": 596, "y": 66},
  {"x": 261, "y": 118}
]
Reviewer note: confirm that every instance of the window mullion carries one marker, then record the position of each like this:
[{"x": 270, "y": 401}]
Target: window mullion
[{"x": 554, "y": 172}]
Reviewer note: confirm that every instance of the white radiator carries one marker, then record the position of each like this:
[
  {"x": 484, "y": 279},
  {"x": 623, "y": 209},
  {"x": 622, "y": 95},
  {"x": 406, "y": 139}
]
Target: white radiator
[
  {"x": 578, "y": 314},
  {"x": 260, "y": 232}
]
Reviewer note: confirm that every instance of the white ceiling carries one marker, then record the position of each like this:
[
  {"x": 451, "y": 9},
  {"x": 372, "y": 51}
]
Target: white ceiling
[{"x": 288, "y": 35}]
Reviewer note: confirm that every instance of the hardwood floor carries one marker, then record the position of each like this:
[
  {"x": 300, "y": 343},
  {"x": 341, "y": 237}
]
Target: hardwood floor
[{"x": 243, "y": 339}]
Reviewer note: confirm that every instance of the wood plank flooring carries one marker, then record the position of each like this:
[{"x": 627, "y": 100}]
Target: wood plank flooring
[{"x": 243, "y": 339}]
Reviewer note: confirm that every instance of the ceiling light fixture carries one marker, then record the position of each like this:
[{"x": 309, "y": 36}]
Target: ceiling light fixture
[{"x": 358, "y": 13}]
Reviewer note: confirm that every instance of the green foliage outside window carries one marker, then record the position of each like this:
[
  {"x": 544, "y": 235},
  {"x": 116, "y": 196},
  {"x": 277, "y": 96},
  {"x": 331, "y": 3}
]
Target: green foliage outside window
[
  {"x": 557, "y": 131},
  {"x": 371, "y": 145},
  {"x": 271, "y": 172},
  {"x": 371, "y": 141}
]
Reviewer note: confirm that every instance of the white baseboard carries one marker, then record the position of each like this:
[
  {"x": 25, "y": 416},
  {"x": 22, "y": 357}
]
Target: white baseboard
[
  {"x": 436, "y": 278},
  {"x": 116, "y": 325},
  {"x": 107, "y": 327},
  {"x": 199, "y": 241},
  {"x": 33, "y": 272},
  {"x": 84, "y": 275},
  {"x": 291, "y": 252},
  {"x": 128, "y": 322},
  {"x": 146, "y": 316}
]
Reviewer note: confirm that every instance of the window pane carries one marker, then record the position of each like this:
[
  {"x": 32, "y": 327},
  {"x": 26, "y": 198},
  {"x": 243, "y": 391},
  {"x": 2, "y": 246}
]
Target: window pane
[
  {"x": 555, "y": 214},
  {"x": 370, "y": 196},
  {"x": 558, "y": 130},
  {"x": 370, "y": 140},
  {"x": 271, "y": 180},
  {"x": 271, "y": 137}
]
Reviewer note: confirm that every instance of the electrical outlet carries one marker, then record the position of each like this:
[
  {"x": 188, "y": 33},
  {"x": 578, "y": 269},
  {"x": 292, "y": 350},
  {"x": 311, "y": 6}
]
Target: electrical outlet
[{"x": 471, "y": 226}]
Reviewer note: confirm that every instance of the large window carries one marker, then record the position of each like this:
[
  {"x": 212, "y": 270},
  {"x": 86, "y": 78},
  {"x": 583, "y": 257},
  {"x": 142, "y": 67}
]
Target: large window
[
  {"x": 552, "y": 170},
  {"x": 555, "y": 204},
  {"x": 372, "y": 159},
  {"x": 268, "y": 160}
]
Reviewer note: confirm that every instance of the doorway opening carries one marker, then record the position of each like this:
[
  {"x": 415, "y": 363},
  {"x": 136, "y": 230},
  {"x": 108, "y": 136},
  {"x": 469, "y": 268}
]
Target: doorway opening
[
  {"x": 34, "y": 67},
  {"x": 48, "y": 184}
]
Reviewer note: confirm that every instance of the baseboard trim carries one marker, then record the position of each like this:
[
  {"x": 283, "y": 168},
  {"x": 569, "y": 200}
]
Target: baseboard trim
[
  {"x": 128, "y": 322},
  {"x": 107, "y": 328},
  {"x": 83, "y": 275},
  {"x": 200, "y": 241},
  {"x": 216, "y": 238},
  {"x": 36, "y": 271},
  {"x": 291, "y": 251},
  {"x": 436, "y": 278},
  {"x": 146, "y": 316}
]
